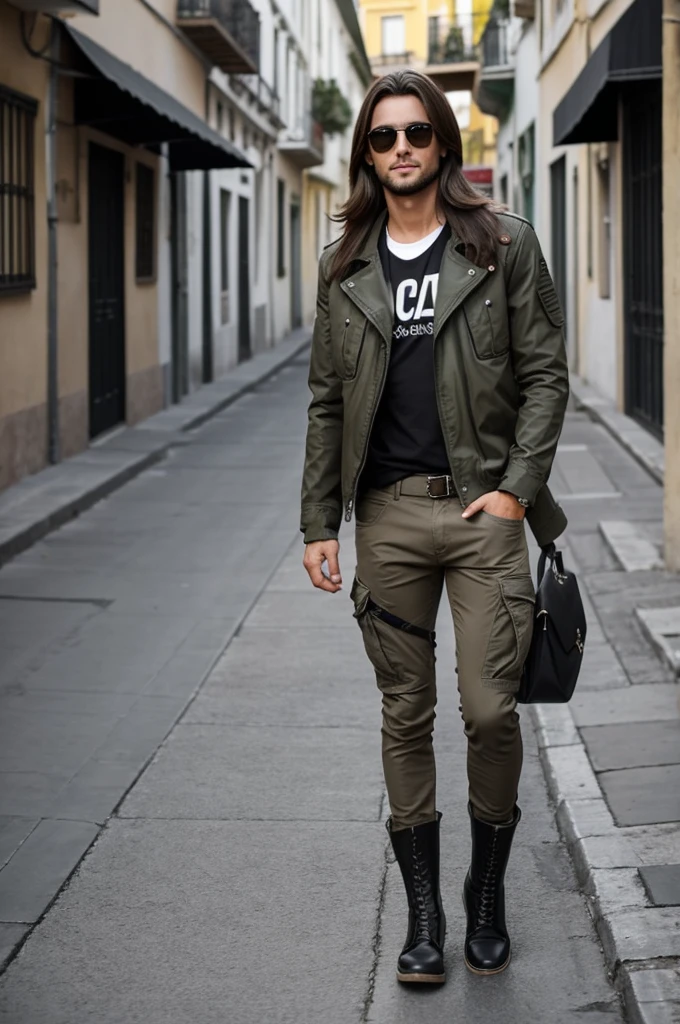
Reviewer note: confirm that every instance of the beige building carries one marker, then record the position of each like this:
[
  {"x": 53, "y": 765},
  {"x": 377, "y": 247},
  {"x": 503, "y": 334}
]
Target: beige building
[
  {"x": 164, "y": 190},
  {"x": 582, "y": 155},
  {"x": 97, "y": 109}
]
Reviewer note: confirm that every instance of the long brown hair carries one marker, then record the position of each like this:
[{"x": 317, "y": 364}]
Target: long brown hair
[{"x": 472, "y": 215}]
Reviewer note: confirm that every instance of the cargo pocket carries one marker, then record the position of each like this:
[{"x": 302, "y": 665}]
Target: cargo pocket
[
  {"x": 402, "y": 661},
  {"x": 510, "y": 636}
]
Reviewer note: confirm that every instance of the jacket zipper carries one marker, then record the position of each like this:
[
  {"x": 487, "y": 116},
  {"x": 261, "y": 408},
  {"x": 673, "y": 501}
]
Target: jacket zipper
[{"x": 350, "y": 504}]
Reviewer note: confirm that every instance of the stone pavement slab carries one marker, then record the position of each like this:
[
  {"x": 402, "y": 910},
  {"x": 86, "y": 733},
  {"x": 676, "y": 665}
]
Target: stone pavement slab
[
  {"x": 643, "y": 796},
  {"x": 185, "y": 921},
  {"x": 632, "y": 745},
  {"x": 662, "y": 882}
]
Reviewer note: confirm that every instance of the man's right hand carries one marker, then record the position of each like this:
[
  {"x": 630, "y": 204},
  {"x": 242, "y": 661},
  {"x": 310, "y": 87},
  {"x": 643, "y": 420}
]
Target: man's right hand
[{"x": 318, "y": 552}]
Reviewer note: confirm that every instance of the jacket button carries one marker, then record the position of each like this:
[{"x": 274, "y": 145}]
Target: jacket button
[
  {"x": 471, "y": 272},
  {"x": 487, "y": 302},
  {"x": 347, "y": 322},
  {"x": 492, "y": 268},
  {"x": 464, "y": 490},
  {"x": 505, "y": 239}
]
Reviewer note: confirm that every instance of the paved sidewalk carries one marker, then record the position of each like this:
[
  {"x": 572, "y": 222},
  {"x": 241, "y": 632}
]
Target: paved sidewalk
[
  {"x": 44, "y": 501},
  {"x": 245, "y": 876},
  {"x": 612, "y": 756}
]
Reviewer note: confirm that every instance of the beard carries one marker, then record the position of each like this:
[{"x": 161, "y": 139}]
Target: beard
[{"x": 408, "y": 188}]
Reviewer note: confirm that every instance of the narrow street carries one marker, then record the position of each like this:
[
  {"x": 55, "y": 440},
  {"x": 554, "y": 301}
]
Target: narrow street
[{"x": 173, "y": 678}]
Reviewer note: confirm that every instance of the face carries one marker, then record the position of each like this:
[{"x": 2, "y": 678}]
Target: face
[{"x": 405, "y": 169}]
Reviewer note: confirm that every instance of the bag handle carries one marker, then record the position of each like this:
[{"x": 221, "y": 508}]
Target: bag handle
[{"x": 550, "y": 552}]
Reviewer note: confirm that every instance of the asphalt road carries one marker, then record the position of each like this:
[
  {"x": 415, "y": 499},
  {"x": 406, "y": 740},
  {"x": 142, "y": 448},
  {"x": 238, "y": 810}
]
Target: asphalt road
[{"x": 244, "y": 877}]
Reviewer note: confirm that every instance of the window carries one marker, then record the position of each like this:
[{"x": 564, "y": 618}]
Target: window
[
  {"x": 281, "y": 218},
  {"x": 225, "y": 202},
  {"x": 145, "y": 261},
  {"x": 433, "y": 54},
  {"x": 232, "y": 125},
  {"x": 393, "y": 34},
  {"x": 17, "y": 198},
  {"x": 220, "y": 117}
]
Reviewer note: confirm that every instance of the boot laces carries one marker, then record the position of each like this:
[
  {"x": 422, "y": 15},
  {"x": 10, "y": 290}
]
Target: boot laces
[
  {"x": 488, "y": 889},
  {"x": 424, "y": 908}
]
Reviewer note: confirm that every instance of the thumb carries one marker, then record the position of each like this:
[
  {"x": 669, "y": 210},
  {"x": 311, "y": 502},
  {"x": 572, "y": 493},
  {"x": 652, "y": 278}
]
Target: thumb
[
  {"x": 474, "y": 507},
  {"x": 334, "y": 568}
]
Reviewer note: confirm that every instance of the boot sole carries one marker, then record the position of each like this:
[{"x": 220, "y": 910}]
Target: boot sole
[
  {"x": 427, "y": 979},
  {"x": 477, "y": 970}
]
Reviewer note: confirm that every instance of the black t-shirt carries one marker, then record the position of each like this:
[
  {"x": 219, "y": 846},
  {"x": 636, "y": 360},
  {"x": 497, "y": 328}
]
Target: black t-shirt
[{"x": 407, "y": 436}]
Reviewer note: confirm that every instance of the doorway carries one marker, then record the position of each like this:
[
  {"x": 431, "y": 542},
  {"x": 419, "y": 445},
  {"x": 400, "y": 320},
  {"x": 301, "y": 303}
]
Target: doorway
[
  {"x": 180, "y": 286},
  {"x": 106, "y": 256},
  {"x": 295, "y": 264},
  {"x": 244, "y": 346},
  {"x": 643, "y": 256}
]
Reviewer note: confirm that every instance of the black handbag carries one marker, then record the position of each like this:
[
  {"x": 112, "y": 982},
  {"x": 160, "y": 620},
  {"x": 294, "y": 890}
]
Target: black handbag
[{"x": 559, "y": 635}]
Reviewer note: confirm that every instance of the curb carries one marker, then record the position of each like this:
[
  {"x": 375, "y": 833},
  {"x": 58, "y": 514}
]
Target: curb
[
  {"x": 605, "y": 868},
  {"x": 645, "y": 449},
  {"x": 41, "y": 503}
]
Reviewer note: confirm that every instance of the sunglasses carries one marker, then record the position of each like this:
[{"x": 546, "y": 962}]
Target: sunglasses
[{"x": 382, "y": 140}]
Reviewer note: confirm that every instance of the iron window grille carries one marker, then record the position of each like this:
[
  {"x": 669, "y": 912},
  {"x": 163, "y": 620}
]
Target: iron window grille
[
  {"x": 145, "y": 254},
  {"x": 17, "y": 191}
]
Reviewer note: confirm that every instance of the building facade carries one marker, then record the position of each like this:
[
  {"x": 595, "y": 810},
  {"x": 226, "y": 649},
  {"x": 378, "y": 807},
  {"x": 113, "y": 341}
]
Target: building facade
[
  {"x": 443, "y": 40},
  {"x": 156, "y": 201},
  {"x": 581, "y": 154}
]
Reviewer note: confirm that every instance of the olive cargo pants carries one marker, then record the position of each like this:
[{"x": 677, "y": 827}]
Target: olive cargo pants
[{"x": 408, "y": 546}]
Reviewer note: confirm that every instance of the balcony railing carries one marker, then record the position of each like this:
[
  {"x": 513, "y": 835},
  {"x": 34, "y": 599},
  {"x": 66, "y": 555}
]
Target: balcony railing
[
  {"x": 268, "y": 101},
  {"x": 305, "y": 145},
  {"x": 386, "y": 60},
  {"x": 495, "y": 53},
  {"x": 227, "y": 32}
]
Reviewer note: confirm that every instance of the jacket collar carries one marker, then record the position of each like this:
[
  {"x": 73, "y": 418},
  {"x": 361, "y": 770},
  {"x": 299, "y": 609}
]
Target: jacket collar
[{"x": 367, "y": 288}]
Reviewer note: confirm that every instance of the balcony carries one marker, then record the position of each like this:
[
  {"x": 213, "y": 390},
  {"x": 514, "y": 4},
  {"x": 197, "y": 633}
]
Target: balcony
[
  {"x": 58, "y": 6},
  {"x": 496, "y": 84},
  {"x": 305, "y": 146},
  {"x": 383, "y": 63},
  {"x": 453, "y": 58},
  {"x": 267, "y": 100},
  {"x": 226, "y": 31}
]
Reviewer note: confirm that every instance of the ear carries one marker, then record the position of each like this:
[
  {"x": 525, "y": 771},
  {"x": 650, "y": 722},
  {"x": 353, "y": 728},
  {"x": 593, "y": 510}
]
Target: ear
[{"x": 368, "y": 158}]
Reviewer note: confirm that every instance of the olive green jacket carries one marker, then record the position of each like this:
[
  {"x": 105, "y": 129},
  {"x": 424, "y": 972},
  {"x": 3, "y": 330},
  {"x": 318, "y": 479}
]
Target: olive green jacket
[{"x": 500, "y": 370}]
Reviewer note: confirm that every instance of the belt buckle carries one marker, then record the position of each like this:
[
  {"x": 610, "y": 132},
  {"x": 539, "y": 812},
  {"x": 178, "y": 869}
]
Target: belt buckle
[{"x": 435, "y": 497}]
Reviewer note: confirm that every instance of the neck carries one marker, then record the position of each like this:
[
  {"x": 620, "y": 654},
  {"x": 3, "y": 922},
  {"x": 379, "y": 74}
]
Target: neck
[{"x": 410, "y": 218}]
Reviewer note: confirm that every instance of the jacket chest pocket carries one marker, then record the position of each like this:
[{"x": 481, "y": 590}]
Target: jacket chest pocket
[
  {"x": 487, "y": 321},
  {"x": 347, "y": 353}
]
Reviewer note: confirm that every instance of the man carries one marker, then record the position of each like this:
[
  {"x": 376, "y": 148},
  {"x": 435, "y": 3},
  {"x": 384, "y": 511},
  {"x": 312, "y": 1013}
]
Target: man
[{"x": 439, "y": 385}]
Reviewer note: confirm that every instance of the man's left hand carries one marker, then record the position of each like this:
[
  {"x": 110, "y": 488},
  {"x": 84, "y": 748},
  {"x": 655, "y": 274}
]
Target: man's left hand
[{"x": 496, "y": 503}]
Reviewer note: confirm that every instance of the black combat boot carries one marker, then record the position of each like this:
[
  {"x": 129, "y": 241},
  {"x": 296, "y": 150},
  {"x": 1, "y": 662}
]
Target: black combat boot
[
  {"x": 417, "y": 853},
  {"x": 487, "y": 944}
]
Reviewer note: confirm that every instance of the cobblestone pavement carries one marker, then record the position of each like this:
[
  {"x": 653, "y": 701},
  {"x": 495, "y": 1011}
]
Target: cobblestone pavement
[{"x": 191, "y": 793}]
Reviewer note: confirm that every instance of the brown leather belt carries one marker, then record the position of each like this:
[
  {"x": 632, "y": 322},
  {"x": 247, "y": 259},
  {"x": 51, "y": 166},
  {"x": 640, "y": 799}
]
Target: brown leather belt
[{"x": 427, "y": 487}]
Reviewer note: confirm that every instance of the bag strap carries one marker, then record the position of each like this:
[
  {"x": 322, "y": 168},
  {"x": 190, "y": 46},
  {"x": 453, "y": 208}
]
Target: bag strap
[{"x": 549, "y": 552}]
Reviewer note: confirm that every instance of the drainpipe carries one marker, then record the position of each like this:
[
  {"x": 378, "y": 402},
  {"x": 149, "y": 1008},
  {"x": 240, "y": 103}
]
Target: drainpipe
[
  {"x": 207, "y": 361},
  {"x": 53, "y": 440}
]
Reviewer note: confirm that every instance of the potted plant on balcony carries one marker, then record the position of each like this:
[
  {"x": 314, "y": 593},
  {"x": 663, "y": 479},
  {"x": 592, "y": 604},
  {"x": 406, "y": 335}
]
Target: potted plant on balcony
[{"x": 329, "y": 107}]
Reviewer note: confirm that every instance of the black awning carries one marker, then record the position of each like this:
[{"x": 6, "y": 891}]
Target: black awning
[
  {"x": 630, "y": 53},
  {"x": 116, "y": 99}
]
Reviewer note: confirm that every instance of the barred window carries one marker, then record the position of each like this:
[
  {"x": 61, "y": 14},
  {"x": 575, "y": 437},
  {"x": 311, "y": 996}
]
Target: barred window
[
  {"x": 145, "y": 262},
  {"x": 17, "y": 195}
]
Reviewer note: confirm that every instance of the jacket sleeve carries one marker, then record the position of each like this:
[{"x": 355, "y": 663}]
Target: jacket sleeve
[
  {"x": 321, "y": 483},
  {"x": 540, "y": 366}
]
